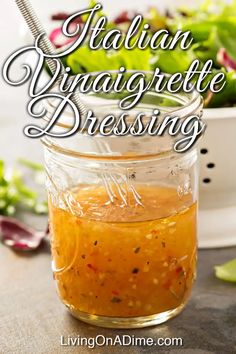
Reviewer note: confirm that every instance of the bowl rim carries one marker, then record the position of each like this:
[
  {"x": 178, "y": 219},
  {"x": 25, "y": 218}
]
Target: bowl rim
[{"x": 219, "y": 113}]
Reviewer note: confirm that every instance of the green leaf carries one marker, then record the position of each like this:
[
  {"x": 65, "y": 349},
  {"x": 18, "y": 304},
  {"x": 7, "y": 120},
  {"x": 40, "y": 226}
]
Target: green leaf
[
  {"x": 30, "y": 164},
  {"x": 208, "y": 49},
  {"x": 86, "y": 60},
  {"x": 155, "y": 19},
  {"x": 200, "y": 30},
  {"x": 227, "y": 271},
  {"x": 14, "y": 193},
  {"x": 227, "y": 96},
  {"x": 23, "y": 190},
  {"x": 227, "y": 38},
  {"x": 41, "y": 207},
  {"x": 172, "y": 61},
  {"x": 1, "y": 169}
]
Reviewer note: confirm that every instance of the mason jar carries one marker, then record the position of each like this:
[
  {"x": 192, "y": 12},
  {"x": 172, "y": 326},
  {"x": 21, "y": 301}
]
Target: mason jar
[{"x": 123, "y": 219}]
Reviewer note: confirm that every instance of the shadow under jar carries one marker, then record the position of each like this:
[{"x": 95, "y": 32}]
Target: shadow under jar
[{"x": 123, "y": 221}]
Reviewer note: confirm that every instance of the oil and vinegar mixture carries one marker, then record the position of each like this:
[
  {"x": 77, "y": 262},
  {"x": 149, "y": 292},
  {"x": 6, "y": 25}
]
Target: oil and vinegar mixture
[{"x": 116, "y": 260}]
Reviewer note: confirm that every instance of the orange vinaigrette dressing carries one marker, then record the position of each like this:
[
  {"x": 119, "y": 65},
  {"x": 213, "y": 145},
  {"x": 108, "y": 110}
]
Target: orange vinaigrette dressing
[{"x": 124, "y": 261}]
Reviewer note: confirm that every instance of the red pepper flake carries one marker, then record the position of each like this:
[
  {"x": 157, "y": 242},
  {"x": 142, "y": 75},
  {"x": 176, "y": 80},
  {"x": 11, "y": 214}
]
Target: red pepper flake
[
  {"x": 163, "y": 244},
  {"x": 135, "y": 270},
  {"x": 114, "y": 292},
  {"x": 95, "y": 243},
  {"x": 83, "y": 256},
  {"x": 116, "y": 300},
  {"x": 179, "y": 270},
  {"x": 167, "y": 284},
  {"x": 90, "y": 266},
  {"x": 137, "y": 250}
]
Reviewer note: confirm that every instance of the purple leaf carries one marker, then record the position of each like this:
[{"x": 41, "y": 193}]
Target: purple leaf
[
  {"x": 59, "y": 39},
  {"x": 125, "y": 16},
  {"x": 19, "y": 236},
  {"x": 224, "y": 59}
]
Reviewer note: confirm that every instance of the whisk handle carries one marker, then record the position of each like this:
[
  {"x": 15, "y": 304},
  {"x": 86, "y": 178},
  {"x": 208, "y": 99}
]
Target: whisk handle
[{"x": 37, "y": 29}]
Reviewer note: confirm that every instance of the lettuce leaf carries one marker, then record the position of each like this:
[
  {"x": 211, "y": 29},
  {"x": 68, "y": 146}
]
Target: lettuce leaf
[
  {"x": 227, "y": 271},
  {"x": 86, "y": 60},
  {"x": 226, "y": 97},
  {"x": 172, "y": 61}
]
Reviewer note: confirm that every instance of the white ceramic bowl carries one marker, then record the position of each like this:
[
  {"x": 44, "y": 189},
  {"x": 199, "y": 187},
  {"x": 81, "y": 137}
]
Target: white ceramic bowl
[{"x": 217, "y": 227}]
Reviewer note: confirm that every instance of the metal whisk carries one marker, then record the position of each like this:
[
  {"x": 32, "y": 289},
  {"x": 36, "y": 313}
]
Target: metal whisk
[
  {"x": 37, "y": 30},
  {"x": 111, "y": 182}
]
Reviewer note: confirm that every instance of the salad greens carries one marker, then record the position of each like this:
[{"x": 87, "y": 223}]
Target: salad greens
[
  {"x": 213, "y": 27},
  {"x": 85, "y": 60},
  {"x": 227, "y": 271},
  {"x": 15, "y": 193},
  {"x": 32, "y": 165}
]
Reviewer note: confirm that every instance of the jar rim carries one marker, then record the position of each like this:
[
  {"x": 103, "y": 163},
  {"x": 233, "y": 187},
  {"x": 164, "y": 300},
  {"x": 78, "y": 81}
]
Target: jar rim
[{"x": 115, "y": 158}]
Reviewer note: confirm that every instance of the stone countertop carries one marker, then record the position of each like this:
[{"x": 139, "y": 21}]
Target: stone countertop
[{"x": 32, "y": 319}]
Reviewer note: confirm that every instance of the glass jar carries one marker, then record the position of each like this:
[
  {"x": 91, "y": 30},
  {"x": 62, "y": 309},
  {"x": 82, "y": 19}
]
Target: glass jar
[{"x": 123, "y": 221}]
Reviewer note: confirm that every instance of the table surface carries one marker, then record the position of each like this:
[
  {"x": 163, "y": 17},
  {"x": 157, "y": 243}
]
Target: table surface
[{"x": 32, "y": 319}]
